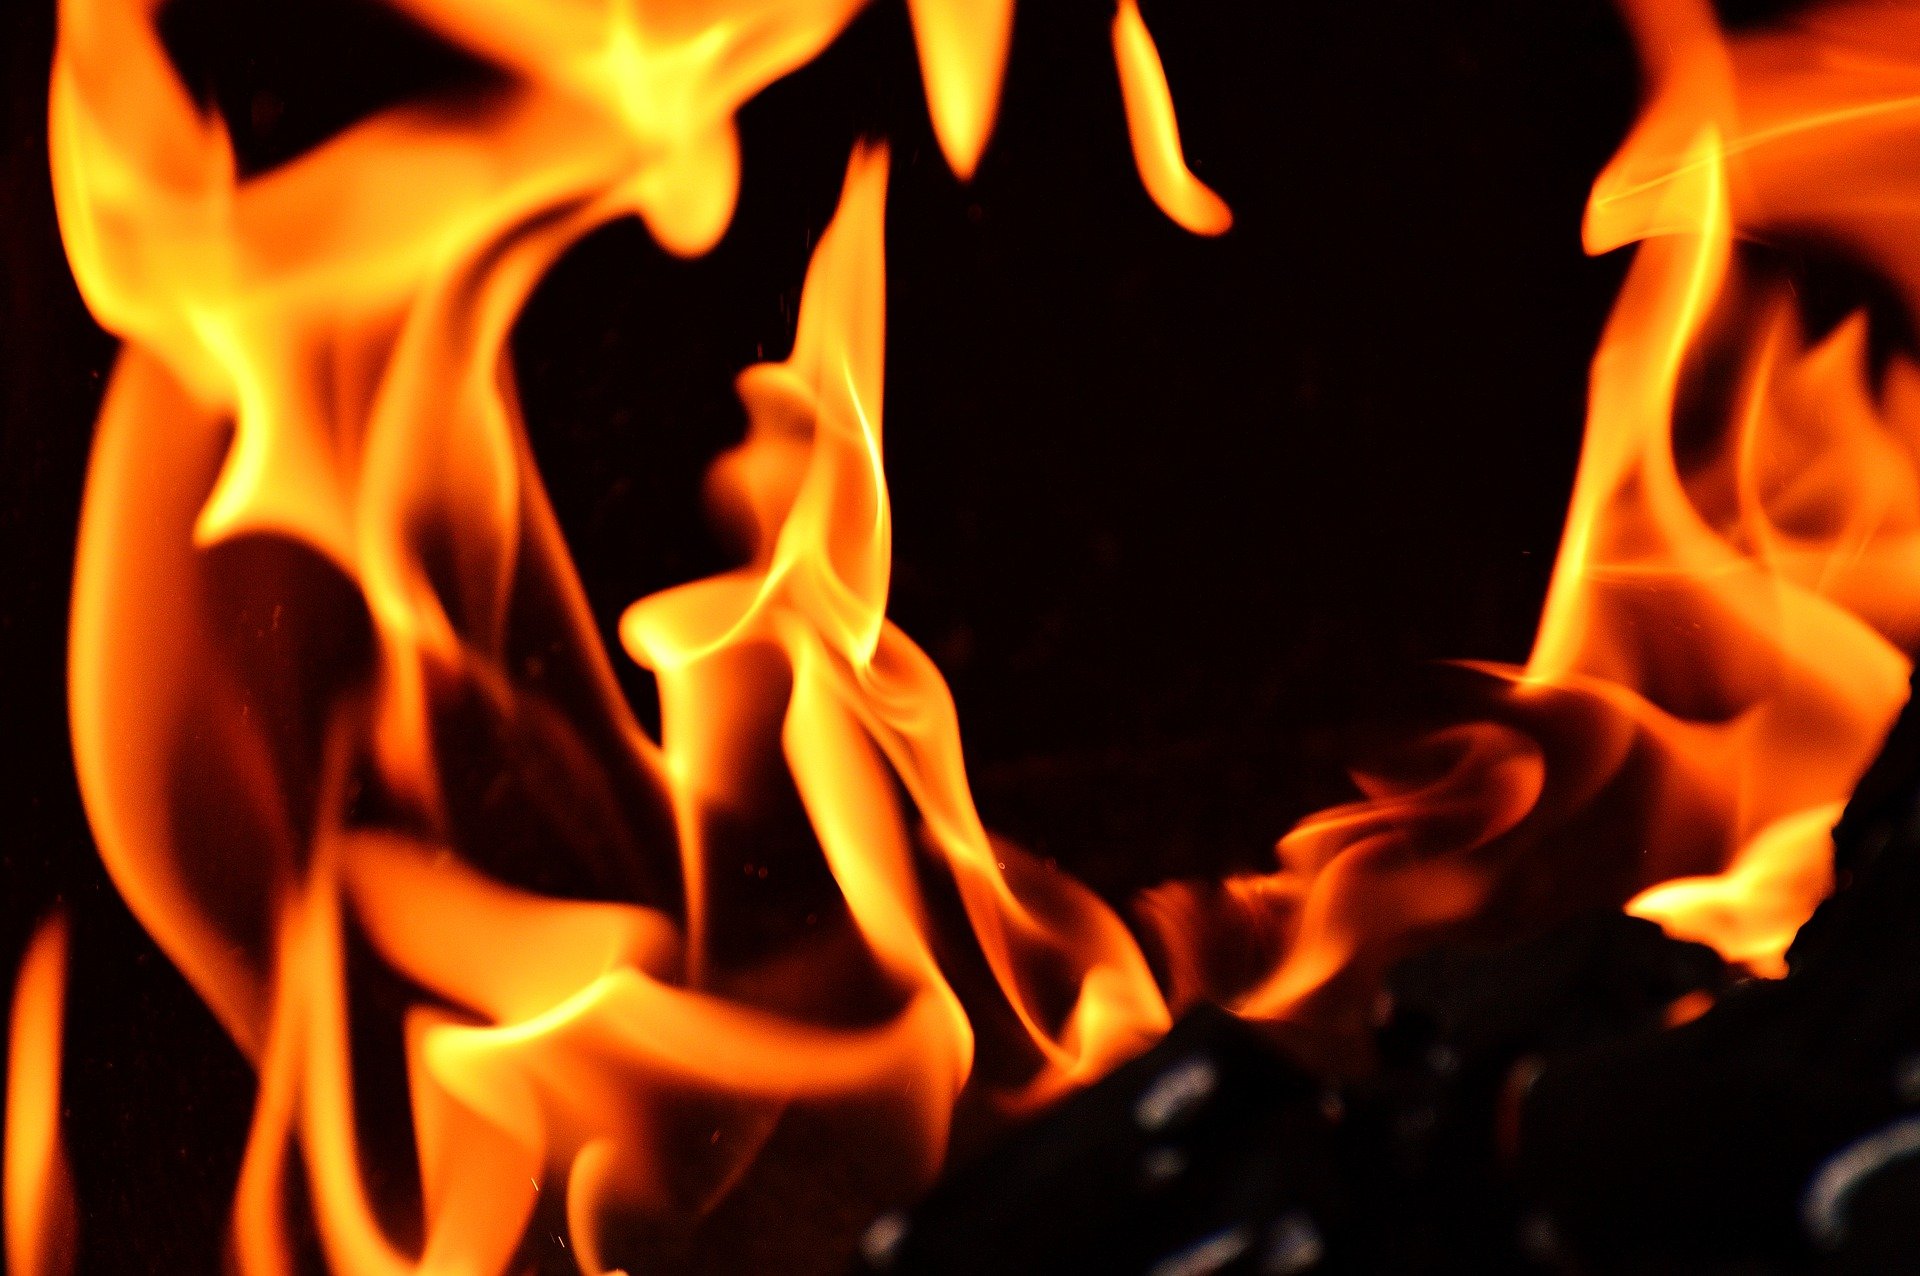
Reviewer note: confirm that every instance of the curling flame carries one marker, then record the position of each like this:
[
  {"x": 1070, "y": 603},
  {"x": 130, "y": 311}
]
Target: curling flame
[
  {"x": 39, "y": 1197},
  {"x": 1793, "y": 552},
  {"x": 1156, "y": 133},
  {"x": 350, "y": 744},
  {"x": 1726, "y": 636}
]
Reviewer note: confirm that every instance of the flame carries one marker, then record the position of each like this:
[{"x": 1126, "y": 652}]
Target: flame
[
  {"x": 39, "y": 1194},
  {"x": 319, "y": 589},
  {"x": 1751, "y": 911},
  {"x": 963, "y": 55},
  {"x": 1156, "y": 133},
  {"x": 1726, "y": 636}
]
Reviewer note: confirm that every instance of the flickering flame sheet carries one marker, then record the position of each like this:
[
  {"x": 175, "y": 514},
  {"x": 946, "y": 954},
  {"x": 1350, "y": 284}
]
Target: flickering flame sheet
[{"x": 313, "y": 419}]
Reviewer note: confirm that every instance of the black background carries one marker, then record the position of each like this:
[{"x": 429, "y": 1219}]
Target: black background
[{"x": 1179, "y": 519}]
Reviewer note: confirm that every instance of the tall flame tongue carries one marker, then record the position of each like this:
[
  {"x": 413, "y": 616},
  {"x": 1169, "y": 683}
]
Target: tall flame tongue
[
  {"x": 349, "y": 743},
  {"x": 39, "y": 1213},
  {"x": 1723, "y": 644}
]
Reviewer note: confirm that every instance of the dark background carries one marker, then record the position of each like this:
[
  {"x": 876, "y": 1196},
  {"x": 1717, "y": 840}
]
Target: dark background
[{"x": 1179, "y": 519}]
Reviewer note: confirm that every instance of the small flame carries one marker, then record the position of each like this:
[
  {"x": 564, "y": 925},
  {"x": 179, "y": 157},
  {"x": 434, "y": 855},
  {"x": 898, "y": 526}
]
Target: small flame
[
  {"x": 39, "y": 1193},
  {"x": 1752, "y": 910},
  {"x": 963, "y": 55},
  {"x": 1156, "y": 132}
]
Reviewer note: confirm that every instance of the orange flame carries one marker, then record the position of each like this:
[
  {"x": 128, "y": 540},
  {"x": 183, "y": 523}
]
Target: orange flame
[
  {"x": 39, "y": 1195},
  {"x": 963, "y": 55},
  {"x": 1725, "y": 639},
  {"x": 319, "y": 587},
  {"x": 1156, "y": 133}
]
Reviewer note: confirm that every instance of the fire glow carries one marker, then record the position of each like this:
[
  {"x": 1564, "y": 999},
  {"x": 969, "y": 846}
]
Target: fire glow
[{"x": 313, "y": 418}]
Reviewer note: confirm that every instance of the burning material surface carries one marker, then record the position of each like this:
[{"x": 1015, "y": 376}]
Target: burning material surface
[{"x": 355, "y": 756}]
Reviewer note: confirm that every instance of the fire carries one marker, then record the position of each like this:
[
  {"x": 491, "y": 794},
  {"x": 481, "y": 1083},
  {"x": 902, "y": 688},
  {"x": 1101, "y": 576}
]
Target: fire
[
  {"x": 38, "y": 1197},
  {"x": 319, "y": 587},
  {"x": 1726, "y": 637},
  {"x": 354, "y": 754}
]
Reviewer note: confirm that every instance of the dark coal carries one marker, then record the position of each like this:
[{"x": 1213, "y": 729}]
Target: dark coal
[
  {"x": 1213, "y": 1153},
  {"x": 1210, "y": 1153},
  {"x": 1464, "y": 1035},
  {"x": 1776, "y": 1129}
]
